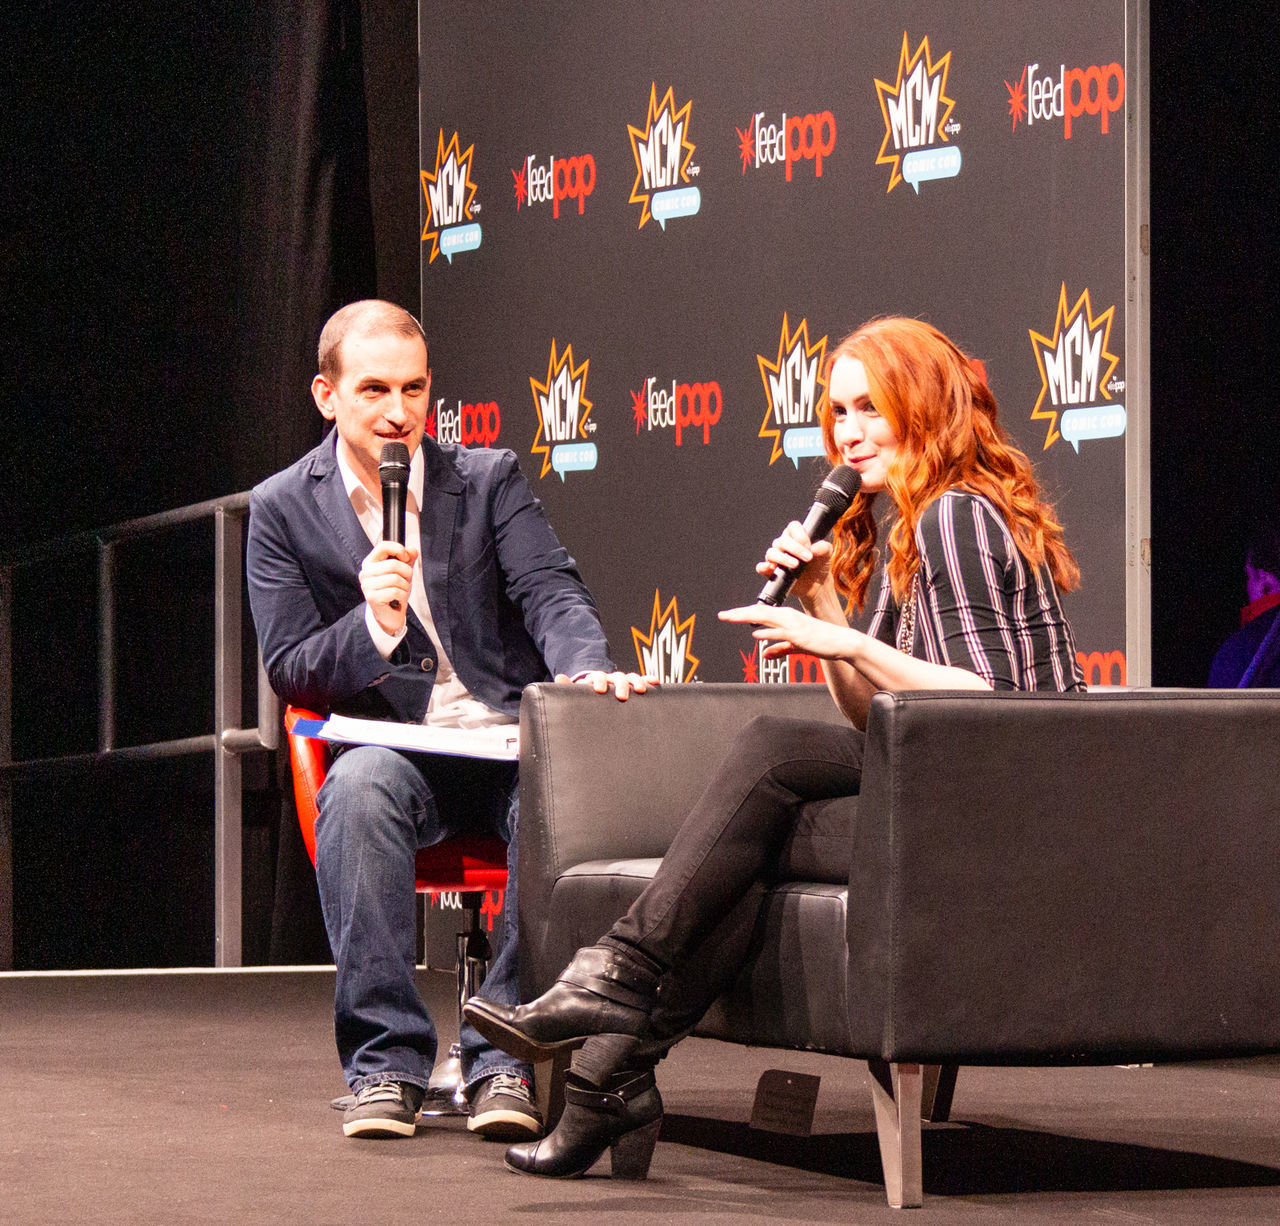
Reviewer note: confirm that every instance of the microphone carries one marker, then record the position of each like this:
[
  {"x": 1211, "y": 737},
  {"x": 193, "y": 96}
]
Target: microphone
[
  {"x": 393, "y": 473},
  {"x": 829, "y": 503}
]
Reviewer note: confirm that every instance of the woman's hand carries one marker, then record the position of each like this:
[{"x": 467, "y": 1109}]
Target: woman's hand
[
  {"x": 794, "y": 551},
  {"x": 788, "y": 630}
]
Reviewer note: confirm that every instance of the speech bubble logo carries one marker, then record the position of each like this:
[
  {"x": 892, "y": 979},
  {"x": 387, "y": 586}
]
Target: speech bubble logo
[
  {"x": 675, "y": 202},
  {"x": 802, "y": 441},
  {"x": 459, "y": 238},
  {"x": 922, "y": 164},
  {"x": 1099, "y": 421},
  {"x": 573, "y": 458}
]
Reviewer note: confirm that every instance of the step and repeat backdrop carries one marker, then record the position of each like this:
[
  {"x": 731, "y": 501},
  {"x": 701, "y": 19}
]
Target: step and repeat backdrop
[{"x": 645, "y": 225}]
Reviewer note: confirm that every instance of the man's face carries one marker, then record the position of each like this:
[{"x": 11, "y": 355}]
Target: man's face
[{"x": 380, "y": 397}]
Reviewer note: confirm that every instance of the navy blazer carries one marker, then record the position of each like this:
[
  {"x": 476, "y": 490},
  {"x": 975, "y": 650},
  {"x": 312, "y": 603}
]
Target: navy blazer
[{"x": 506, "y": 597}]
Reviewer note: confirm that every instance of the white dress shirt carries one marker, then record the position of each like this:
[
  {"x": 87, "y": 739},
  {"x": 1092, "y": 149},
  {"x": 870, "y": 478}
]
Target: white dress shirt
[{"x": 452, "y": 705}]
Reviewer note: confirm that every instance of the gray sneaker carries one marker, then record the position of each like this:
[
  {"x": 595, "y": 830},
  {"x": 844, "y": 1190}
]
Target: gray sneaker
[
  {"x": 502, "y": 1109},
  {"x": 383, "y": 1109}
]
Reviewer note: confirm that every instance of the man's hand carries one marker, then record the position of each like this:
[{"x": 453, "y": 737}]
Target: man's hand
[
  {"x": 623, "y": 684},
  {"x": 386, "y": 576}
]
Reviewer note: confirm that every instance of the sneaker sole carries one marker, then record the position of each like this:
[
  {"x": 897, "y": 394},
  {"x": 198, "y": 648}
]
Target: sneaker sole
[
  {"x": 378, "y": 1128},
  {"x": 511, "y": 1040},
  {"x": 505, "y": 1125}
]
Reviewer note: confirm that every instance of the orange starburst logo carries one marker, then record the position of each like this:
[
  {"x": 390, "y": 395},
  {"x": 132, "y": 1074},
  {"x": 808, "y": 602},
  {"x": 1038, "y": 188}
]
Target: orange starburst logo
[
  {"x": 664, "y": 652},
  {"x": 1075, "y": 362},
  {"x": 661, "y": 148},
  {"x": 916, "y": 107},
  {"x": 1017, "y": 99},
  {"x": 449, "y": 191},
  {"x": 561, "y": 404},
  {"x": 793, "y": 383}
]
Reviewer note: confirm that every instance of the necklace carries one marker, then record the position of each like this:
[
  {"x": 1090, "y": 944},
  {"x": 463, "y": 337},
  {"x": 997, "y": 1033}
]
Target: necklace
[{"x": 907, "y": 618}]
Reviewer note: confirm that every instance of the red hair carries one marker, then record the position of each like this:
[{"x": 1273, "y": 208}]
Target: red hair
[{"x": 945, "y": 418}]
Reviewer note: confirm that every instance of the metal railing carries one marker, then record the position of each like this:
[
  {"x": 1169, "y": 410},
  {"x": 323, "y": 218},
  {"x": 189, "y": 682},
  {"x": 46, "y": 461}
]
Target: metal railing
[{"x": 228, "y": 741}]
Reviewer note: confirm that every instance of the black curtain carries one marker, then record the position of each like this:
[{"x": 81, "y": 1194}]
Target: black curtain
[{"x": 187, "y": 197}]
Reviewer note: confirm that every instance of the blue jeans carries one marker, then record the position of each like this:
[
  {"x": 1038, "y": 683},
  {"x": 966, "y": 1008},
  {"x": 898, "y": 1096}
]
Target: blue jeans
[{"x": 376, "y": 808}]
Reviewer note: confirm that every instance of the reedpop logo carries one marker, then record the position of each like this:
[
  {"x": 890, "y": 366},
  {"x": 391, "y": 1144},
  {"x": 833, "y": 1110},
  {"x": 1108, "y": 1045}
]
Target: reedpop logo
[
  {"x": 663, "y": 151},
  {"x": 797, "y": 668},
  {"x": 563, "y": 409},
  {"x": 917, "y": 119},
  {"x": 1074, "y": 93},
  {"x": 451, "y": 206},
  {"x": 561, "y": 181},
  {"x": 665, "y": 651},
  {"x": 686, "y": 406},
  {"x": 1076, "y": 370},
  {"x": 469, "y": 425},
  {"x": 797, "y": 138},
  {"x": 793, "y": 385}
]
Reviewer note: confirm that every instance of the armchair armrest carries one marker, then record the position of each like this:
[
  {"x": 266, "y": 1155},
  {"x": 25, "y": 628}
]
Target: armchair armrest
[
  {"x": 605, "y": 780},
  {"x": 1053, "y": 878}
]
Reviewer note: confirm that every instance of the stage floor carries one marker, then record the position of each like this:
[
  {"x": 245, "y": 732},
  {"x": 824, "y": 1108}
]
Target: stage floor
[{"x": 190, "y": 1097}]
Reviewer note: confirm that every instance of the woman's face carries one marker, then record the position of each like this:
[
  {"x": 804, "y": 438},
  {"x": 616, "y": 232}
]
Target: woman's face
[{"x": 864, "y": 439}]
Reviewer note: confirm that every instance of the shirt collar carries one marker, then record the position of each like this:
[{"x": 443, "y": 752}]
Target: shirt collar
[{"x": 355, "y": 487}]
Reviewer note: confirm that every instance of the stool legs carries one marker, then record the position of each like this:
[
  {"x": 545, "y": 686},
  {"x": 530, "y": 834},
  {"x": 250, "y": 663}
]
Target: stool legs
[{"x": 445, "y": 1094}]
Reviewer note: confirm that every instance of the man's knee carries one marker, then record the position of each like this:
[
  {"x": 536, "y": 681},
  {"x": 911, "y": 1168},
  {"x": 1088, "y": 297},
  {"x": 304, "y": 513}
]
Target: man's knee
[{"x": 369, "y": 786}]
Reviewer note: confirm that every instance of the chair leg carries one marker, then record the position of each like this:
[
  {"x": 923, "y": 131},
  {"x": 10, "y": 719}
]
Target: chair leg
[
  {"x": 445, "y": 1091},
  {"x": 896, "y": 1092},
  {"x": 939, "y": 1090},
  {"x": 474, "y": 952}
]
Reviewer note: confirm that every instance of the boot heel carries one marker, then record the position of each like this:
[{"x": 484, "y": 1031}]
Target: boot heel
[{"x": 631, "y": 1153}]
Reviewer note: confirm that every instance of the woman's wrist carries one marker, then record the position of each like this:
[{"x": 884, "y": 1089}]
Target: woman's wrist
[
  {"x": 822, "y": 602},
  {"x": 856, "y": 642}
]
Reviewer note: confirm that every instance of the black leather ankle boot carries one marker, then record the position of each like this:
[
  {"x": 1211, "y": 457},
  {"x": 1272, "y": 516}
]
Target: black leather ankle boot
[
  {"x": 624, "y": 1118},
  {"x": 602, "y": 991}
]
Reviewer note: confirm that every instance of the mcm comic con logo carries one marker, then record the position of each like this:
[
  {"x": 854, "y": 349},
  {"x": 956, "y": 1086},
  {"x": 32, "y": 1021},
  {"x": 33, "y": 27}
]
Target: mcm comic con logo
[
  {"x": 679, "y": 407},
  {"x": 663, "y": 188},
  {"x": 451, "y": 205},
  {"x": 665, "y": 651},
  {"x": 793, "y": 140},
  {"x": 1038, "y": 97},
  {"x": 563, "y": 411},
  {"x": 1076, "y": 375},
  {"x": 917, "y": 119},
  {"x": 793, "y": 387}
]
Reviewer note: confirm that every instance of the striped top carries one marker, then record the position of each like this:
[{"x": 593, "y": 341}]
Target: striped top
[{"x": 981, "y": 604}]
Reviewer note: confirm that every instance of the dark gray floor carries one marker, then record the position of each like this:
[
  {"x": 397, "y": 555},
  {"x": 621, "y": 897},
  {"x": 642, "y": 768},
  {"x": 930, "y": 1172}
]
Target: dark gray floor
[{"x": 188, "y": 1098}]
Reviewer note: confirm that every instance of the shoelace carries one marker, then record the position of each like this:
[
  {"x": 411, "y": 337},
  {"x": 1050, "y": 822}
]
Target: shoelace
[
  {"x": 380, "y": 1091},
  {"x": 509, "y": 1083}
]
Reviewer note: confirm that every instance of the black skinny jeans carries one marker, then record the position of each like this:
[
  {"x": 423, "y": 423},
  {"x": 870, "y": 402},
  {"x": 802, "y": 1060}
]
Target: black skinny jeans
[{"x": 705, "y": 893}]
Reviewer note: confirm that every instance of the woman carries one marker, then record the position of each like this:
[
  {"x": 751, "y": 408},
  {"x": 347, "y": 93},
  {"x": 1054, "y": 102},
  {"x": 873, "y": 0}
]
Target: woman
[{"x": 967, "y": 599}]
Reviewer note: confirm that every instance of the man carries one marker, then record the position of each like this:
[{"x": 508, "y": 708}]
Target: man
[
  {"x": 448, "y": 628},
  {"x": 1250, "y": 658}
]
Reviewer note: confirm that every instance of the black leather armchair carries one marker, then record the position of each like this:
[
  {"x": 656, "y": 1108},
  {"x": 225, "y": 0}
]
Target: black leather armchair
[{"x": 1024, "y": 879}]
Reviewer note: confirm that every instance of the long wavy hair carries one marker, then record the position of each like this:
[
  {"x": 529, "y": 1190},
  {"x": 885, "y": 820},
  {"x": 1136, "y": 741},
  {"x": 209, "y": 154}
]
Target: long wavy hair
[{"x": 945, "y": 418}]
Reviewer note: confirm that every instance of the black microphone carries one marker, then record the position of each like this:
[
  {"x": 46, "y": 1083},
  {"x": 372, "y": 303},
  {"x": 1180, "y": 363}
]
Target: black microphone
[
  {"x": 393, "y": 473},
  {"x": 829, "y": 503}
]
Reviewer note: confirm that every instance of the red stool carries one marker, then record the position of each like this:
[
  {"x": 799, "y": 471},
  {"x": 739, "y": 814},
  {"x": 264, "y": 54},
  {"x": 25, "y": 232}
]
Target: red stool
[{"x": 469, "y": 865}]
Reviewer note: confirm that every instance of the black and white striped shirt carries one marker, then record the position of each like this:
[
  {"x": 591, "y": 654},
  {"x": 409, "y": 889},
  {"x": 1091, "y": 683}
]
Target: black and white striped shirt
[{"x": 981, "y": 605}]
